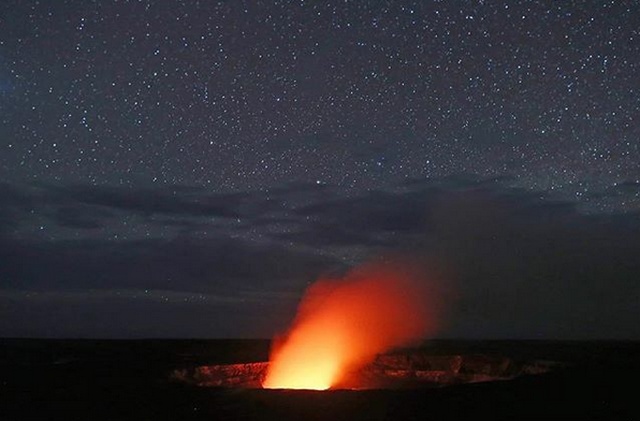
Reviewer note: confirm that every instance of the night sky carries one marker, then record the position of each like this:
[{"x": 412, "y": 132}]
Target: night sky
[{"x": 186, "y": 169}]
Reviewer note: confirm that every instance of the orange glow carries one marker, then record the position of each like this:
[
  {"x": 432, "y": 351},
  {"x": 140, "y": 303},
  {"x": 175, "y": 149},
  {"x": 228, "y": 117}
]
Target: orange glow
[{"x": 342, "y": 325}]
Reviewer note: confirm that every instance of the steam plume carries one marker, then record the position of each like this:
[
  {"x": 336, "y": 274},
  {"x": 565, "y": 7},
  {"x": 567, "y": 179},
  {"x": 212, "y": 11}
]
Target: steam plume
[{"x": 343, "y": 323}]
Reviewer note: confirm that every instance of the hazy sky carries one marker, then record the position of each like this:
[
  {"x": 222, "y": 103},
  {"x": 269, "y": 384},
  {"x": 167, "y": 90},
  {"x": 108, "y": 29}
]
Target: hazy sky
[{"x": 188, "y": 168}]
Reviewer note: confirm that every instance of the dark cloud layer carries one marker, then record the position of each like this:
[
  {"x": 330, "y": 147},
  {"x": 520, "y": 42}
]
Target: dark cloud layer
[{"x": 98, "y": 261}]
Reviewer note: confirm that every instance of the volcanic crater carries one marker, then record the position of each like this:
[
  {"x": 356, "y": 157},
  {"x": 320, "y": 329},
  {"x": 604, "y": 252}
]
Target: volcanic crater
[{"x": 410, "y": 369}]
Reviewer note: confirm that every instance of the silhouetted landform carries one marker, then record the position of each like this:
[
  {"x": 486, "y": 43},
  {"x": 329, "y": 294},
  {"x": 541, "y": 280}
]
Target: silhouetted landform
[
  {"x": 411, "y": 368},
  {"x": 135, "y": 380}
]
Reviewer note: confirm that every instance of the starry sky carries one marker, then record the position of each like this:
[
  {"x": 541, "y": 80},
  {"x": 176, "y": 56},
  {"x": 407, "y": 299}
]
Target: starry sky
[{"x": 187, "y": 168}]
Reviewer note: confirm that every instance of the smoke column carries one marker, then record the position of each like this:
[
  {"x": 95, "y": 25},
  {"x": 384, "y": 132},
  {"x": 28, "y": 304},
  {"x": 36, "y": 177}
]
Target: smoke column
[{"x": 343, "y": 323}]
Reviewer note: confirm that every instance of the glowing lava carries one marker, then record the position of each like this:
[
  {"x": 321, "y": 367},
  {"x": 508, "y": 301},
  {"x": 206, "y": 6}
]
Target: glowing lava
[{"x": 343, "y": 324}]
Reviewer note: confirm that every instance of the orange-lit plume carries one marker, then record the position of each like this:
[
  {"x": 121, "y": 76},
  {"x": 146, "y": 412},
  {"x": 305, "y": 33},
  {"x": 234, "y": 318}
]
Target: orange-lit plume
[{"x": 342, "y": 324}]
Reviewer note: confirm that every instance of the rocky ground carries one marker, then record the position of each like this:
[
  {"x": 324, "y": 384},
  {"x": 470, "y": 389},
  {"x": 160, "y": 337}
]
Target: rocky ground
[
  {"x": 400, "y": 370},
  {"x": 135, "y": 380}
]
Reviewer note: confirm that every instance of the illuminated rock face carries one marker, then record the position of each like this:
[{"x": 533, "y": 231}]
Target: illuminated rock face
[
  {"x": 386, "y": 372},
  {"x": 250, "y": 375}
]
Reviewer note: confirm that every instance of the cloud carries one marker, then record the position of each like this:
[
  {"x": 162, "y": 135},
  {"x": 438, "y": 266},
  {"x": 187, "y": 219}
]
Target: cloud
[
  {"x": 168, "y": 201},
  {"x": 81, "y": 216},
  {"x": 520, "y": 265},
  {"x": 181, "y": 264},
  {"x": 541, "y": 268}
]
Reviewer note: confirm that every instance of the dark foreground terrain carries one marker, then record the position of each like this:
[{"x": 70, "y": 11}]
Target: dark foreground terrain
[{"x": 131, "y": 380}]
